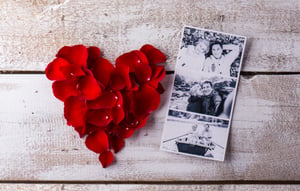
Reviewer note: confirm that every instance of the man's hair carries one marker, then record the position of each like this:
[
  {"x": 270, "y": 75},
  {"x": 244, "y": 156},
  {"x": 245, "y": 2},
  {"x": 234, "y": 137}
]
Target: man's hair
[{"x": 207, "y": 82}]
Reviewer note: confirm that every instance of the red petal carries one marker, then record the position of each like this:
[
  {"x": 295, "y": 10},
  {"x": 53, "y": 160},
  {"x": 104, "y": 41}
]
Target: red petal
[
  {"x": 98, "y": 117},
  {"x": 74, "y": 54},
  {"x": 142, "y": 121},
  {"x": 143, "y": 73},
  {"x": 106, "y": 158},
  {"x": 81, "y": 130},
  {"x": 160, "y": 89},
  {"x": 134, "y": 86},
  {"x": 75, "y": 110},
  {"x": 92, "y": 128},
  {"x": 129, "y": 59},
  {"x": 153, "y": 54},
  {"x": 141, "y": 56},
  {"x": 97, "y": 142},
  {"x": 116, "y": 143},
  {"x": 104, "y": 101},
  {"x": 124, "y": 132},
  {"x": 120, "y": 98},
  {"x": 89, "y": 86},
  {"x": 146, "y": 100},
  {"x": 123, "y": 71},
  {"x": 158, "y": 73},
  {"x": 64, "y": 89},
  {"x": 117, "y": 114},
  {"x": 128, "y": 98},
  {"x": 94, "y": 54},
  {"x": 117, "y": 82},
  {"x": 72, "y": 70},
  {"x": 53, "y": 71},
  {"x": 133, "y": 122},
  {"x": 102, "y": 70}
]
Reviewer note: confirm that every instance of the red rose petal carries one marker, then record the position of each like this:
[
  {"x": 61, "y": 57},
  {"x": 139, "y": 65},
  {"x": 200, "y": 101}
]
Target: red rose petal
[
  {"x": 53, "y": 71},
  {"x": 80, "y": 130},
  {"x": 129, "y": 59},
  {"x": 117, "y": 82},
  {"x": 134, "y": 86},
  {"x": 97, "y": 142},
  {"x": 104, "y": 101},
  {"x": 64, "y": 89},
  {"x": 72, "y": 70},
  {"x": 153, "y": 54},
  {"x": 117, "y": 114},
  {"x": 124, "y": 132},
  {"x": 98, "y": 117},
  {"x": 94, "y": 54},
  {"x": 75, "y": 110},
  {"x": 92, "y": 128},
  {"x": 158, "y": 73},
  {"x": 106, "y": 158},
  {"x": 160, "y": 89},
  {"x": 89, "y": 86},
  {"x": 146, "y": 100},
  {"x": 123, "y": 72},
  {"x": 74, "y": 54},
  {"x": 120, "y": 98},
  {"x": 142, "y": 121},
  {"x": 128, "y": 101},
  {"x": 102, "y": 70},
  {"x": 141, "y": 56},
  {"x": 116, "y": 143},
  {"x": 143, "y": 73}
]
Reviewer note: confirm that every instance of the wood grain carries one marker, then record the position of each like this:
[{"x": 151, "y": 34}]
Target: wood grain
[
  {"x": 32, "y": 31},
  {"x": 140, "y": 187},
  {"x": 35, "y": 143}
]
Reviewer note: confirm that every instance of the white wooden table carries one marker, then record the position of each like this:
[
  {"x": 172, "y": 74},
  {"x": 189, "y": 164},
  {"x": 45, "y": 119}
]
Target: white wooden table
[{"x": 38, "y": 151}]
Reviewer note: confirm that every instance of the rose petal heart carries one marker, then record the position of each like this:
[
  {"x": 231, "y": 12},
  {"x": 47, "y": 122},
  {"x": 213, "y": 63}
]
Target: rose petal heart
[{"x": 103, "y": 103}]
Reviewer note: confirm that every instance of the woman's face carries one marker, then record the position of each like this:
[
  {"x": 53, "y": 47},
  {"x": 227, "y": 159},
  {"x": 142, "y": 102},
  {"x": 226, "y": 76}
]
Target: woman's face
[
  {"x": 216, "y": 51},
  {"x": 201, "y": 48},
  {"x": 207, "y": 89}
]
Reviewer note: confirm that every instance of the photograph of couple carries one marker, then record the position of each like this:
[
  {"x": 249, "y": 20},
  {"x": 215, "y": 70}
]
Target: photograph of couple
[
  {"x": 193, "y": 134},
  {"x": 210, "y": 52},
  {"x": 204, "y": 94}
]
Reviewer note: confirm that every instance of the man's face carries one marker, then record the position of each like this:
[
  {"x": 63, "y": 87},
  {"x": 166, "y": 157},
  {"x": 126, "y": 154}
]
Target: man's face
[
  {"x": 216, "y": 51},
  {"x": 206, "y": 89}
]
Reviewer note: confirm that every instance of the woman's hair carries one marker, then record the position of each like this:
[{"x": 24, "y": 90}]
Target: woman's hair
[
  {"x": 212, "y": 44},
  {"x": 217, "y": 43},
  {"x": 203, "y": 41}
]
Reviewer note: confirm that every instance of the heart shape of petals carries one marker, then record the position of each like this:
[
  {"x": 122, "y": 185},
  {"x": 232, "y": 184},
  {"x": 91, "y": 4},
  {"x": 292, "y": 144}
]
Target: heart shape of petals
[{"x": 106, "y": 103}]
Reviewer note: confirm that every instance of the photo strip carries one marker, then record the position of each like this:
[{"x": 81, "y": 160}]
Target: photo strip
[{"x": 203, "y": 93}]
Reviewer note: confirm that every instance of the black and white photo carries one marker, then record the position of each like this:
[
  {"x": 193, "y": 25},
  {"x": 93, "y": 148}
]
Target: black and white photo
[
  {"x": 197, "y": 135},
  {"x": 203, "y": 94},
  {"x": 206, "y": 94},
  {"x": 211, "y": 52}
]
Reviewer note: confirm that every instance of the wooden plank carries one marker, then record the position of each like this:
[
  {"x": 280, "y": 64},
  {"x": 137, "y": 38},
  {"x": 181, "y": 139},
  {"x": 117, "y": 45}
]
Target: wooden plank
[
  {"x": 33, "y": 31},
  {"x": 140, "y": 187},
  {"x": 35, "y": 143}
]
